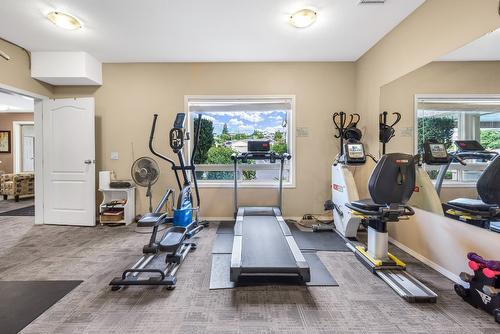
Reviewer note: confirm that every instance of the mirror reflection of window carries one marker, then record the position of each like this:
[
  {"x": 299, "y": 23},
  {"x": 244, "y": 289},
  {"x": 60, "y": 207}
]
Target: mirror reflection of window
[{"x": 447, "y": 120}]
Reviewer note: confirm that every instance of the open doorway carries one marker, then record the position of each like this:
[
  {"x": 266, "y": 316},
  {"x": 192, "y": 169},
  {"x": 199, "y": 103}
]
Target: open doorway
[{"x": 17, "y": 154}]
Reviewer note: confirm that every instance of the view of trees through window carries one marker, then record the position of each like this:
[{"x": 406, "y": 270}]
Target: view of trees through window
[
  {"x": 224, "y": 132},
  {"x": 446, "y": 126}
]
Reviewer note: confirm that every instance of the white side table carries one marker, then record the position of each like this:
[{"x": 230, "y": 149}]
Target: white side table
[{"x": 112, "y": 194}]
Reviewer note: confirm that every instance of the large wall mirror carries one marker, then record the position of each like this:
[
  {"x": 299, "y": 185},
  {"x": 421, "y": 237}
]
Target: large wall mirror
[{"x": 450, "y": 111}]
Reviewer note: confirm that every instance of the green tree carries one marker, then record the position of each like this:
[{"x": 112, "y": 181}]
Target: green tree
[
  {"x": 278, "y": 137},
  {"x": 240, "y": 136},
  {"x": 221, "y": 139},
  {"x": 437, "y": 128},
  {"x": 279, "y": 148},
  {"x": 490, "y": 139},
  {"x": 220, "y": 155},
  {"x": 225, "y": 131},
  {"x": 249, "y": 175},
  {"x": 206, "y": 140},
  {"x": 258, "y": 134}
]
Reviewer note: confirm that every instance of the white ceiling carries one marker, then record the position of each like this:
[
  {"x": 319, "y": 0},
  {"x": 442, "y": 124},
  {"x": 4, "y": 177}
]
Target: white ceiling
[
  {"x": 482, "y": 49},
  {"x": 15, "y": 103},
  {"x": 204, "y": 30}
]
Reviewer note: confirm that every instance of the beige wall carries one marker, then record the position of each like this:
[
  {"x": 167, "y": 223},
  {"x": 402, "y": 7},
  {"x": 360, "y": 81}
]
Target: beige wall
[
  {"x": 436, "y": 78},
  {"x": 6, "y": 120},
  {"x": 16, "y": 72},
  {"x": 132, "y": 93},
  {"x": 443, "y": 241}
]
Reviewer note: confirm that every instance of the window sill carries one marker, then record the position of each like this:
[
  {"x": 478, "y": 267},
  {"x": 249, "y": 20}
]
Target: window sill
[
  {"x": 458, "y": 185},
  {"x": 202, "y": 184}
]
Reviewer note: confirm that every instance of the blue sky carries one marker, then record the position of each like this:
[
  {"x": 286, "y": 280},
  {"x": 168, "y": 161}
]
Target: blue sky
[{"x": 247, "y": 122}]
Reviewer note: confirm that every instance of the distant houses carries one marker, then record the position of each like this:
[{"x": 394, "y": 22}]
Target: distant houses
[{"x": 240, "y": 145}]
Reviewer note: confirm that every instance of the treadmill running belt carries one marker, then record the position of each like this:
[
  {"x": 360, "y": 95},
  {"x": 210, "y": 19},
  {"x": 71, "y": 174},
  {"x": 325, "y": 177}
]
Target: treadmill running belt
[{"x": 264, "y": 245}]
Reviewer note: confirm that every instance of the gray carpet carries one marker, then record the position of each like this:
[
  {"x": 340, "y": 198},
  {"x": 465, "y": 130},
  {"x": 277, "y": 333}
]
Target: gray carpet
[
  {"x": 23, "y": 301},
  {"x": 361, "y": 304}
]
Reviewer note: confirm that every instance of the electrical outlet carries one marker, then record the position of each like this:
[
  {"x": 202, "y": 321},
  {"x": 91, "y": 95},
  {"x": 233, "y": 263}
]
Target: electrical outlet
[{"x": 114, "y": 155}]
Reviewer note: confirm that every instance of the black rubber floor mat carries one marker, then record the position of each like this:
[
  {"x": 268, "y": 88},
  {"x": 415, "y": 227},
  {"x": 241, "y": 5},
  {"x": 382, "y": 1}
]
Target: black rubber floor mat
[
  {"x": 226, "y": 228},
  {"x": 22, "y": 302},
  {"x": 307, "y": 241},
  {"x": 221, "y": 263},
  {"x": 26, "y": 211}
]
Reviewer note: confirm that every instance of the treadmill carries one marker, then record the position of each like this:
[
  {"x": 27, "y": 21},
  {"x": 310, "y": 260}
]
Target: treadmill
[
  {"x": 263, "y": 245},
  {"x": 485, "y": 211}
]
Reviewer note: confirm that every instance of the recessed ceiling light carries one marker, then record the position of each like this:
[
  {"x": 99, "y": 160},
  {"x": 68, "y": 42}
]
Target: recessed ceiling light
[
  {"x": 64, "y": 20},
  {"x": 303, "y": 18}
]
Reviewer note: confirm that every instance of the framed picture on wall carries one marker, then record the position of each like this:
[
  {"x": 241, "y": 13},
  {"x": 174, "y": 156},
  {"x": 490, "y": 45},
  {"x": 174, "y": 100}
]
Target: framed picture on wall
[{"x": 4, "y": 141}]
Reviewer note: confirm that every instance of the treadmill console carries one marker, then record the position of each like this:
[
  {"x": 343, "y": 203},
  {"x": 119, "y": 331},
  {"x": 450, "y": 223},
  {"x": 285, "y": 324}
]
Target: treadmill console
[
  {"x": 259, "y": 146},
  {"x": 468, "y": 145},
  {"x": 435, "y": 153},
  {"x": 354, "y": 153}
]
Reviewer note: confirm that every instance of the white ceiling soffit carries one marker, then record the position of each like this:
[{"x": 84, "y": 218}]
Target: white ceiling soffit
[
  {"x": 201, "y": 30},
  {"x": 482, "y": 49},
  {"x": 15, "y": 103}
]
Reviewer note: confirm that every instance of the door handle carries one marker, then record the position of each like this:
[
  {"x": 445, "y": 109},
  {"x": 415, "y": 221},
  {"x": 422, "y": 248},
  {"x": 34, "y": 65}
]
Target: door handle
[{"x": 87, "y": 162}]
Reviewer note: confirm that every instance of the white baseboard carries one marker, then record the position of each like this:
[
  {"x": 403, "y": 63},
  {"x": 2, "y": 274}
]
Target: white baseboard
[
  {"x": 423, "y": 259},
  {"x": 212, "y": 219}
]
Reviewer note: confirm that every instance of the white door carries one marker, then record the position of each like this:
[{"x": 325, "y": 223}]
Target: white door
[
  {"x": 28, "y": 154},
  {"x": 69, "y": 162}
]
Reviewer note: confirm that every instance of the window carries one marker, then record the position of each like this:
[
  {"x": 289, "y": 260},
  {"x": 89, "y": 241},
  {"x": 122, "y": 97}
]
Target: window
[
  {"x": 448, "y": 119},
  {"x": 228, "y": 123}
]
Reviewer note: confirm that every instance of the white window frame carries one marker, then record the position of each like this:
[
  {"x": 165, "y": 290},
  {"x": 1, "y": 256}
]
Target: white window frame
[
  {"x": 417, "y": 97},
  {"x": 291, "y": 144}
]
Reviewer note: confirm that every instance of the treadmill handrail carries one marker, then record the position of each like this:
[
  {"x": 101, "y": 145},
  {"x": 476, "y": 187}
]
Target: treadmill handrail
[
  {"x": 459, "y": 157},
  {"x": 259, "y": 156}
]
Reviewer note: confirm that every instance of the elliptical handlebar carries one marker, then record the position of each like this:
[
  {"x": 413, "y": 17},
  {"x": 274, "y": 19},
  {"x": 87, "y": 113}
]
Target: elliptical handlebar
[
  {"x": 386, "y": 131},
  {"x": 196, "y": 139},
  {"x": 195, "y": 150},
  {"x": 151, "y": 140},
  {"x": 383, "y": 118}
]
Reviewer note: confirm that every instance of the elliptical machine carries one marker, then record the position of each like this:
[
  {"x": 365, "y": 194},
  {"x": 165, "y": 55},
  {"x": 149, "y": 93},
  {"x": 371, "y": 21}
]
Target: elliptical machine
[
  {"x": 174, "y": 241},
  {"x": 350, "y": 157}
]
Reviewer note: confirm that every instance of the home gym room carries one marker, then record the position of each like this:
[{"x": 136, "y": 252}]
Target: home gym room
[{"x": 251, "y": 166}]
